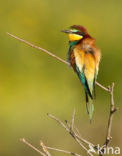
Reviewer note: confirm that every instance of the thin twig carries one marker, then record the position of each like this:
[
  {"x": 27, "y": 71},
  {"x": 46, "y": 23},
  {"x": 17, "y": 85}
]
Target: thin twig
[
  {"x": 85, "y": 141},
  {"x": 30, "y": 145},
  {"x": 104, "y": 88},
  {"x": 112, "y": 111},
  {"x": 63, "y": 151},
  {"x": 59, "y": 121},
  {"x": 73, "y": 118},
  {"x": 77, "y": 134},
  {"x": 44, "y": 148},
  {"x": 49, "y": 53},
  {"x": 39, "y": 48}
]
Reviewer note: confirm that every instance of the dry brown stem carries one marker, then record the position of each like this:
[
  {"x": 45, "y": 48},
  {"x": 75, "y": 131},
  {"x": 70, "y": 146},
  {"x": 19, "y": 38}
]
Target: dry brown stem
[{"x": 109, "y": 126}]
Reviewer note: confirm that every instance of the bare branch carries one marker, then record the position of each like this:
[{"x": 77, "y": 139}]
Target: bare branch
[
  {"x": 39, "y": 48},
  {"x": 59, "y": 121},
  {"x": 104, "y": 88},
  {"x": 70, "y": 128},
  {"x": 63, "y": 151},
  {"x": 30, "y": 145},
  {"x": 86, "y": 141},
  {"x": 46, "y": 147},
  {"x": 71, "y": 132},
  {"x": 112, "y": 111},
  {"x": 77, "y": 133},
  {"x": 49, "y": 53}
]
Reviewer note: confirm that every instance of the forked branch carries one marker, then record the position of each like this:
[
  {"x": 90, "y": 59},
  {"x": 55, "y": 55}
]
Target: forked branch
[
  {"x": 31, "y": 146},
  {"x": 46, "y": 148},
  {"x": 70, "y": 128}
]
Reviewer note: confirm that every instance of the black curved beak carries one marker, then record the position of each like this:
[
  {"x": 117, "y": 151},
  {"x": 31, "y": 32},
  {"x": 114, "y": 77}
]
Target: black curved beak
[{"x": 66, "y": 31}]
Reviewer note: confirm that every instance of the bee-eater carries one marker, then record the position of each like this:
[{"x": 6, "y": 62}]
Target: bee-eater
[{"x": 84, "y": 57}]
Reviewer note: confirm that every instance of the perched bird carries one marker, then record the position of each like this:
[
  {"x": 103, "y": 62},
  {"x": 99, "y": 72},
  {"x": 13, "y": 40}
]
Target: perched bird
[{"x": 84, "y": 57}]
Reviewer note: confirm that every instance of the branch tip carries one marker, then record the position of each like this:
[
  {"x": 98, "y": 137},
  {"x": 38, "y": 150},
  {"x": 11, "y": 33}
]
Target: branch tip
[{"x": 49, "y": 53}]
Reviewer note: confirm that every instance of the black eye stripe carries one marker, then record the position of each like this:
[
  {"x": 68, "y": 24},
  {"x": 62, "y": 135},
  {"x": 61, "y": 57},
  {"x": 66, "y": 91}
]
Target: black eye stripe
[{"x": 78, "y": 32}]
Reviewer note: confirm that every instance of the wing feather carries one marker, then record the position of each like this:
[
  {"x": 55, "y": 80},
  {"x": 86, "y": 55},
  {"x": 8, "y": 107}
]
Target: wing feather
[{"x": 85, "y": 62}]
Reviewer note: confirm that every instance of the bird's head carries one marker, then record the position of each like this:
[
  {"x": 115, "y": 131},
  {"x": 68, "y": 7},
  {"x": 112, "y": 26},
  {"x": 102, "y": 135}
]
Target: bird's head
[{"x": 76, "y": 33}]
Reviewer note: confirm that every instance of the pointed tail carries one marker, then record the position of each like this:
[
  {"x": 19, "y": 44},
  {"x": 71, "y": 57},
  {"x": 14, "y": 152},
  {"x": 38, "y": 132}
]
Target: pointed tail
[{"x": 89, "y": 106}]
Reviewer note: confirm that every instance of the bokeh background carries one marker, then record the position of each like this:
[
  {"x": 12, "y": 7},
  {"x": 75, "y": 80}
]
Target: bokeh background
[{"x": 33, "y": 83}]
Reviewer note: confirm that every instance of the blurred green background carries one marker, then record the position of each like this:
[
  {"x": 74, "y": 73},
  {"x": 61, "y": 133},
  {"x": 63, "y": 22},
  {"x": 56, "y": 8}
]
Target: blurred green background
[{"x": 33, "y": 83}]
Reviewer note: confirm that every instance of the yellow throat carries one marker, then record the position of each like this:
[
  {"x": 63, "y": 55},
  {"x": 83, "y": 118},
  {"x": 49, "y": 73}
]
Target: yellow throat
[{"x": 74, "y": 37}]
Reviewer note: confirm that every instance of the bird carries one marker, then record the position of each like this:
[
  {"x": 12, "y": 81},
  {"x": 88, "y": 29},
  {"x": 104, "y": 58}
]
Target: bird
[{"x": 84, "y": 57}]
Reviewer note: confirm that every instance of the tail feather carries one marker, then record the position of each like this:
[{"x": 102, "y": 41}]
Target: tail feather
[
  {"x": 87, "y": 90},
  {"x": 89, "y": 100},
  {"x": 91, "y": 109},
  {"x": 89, "y": 106}
]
